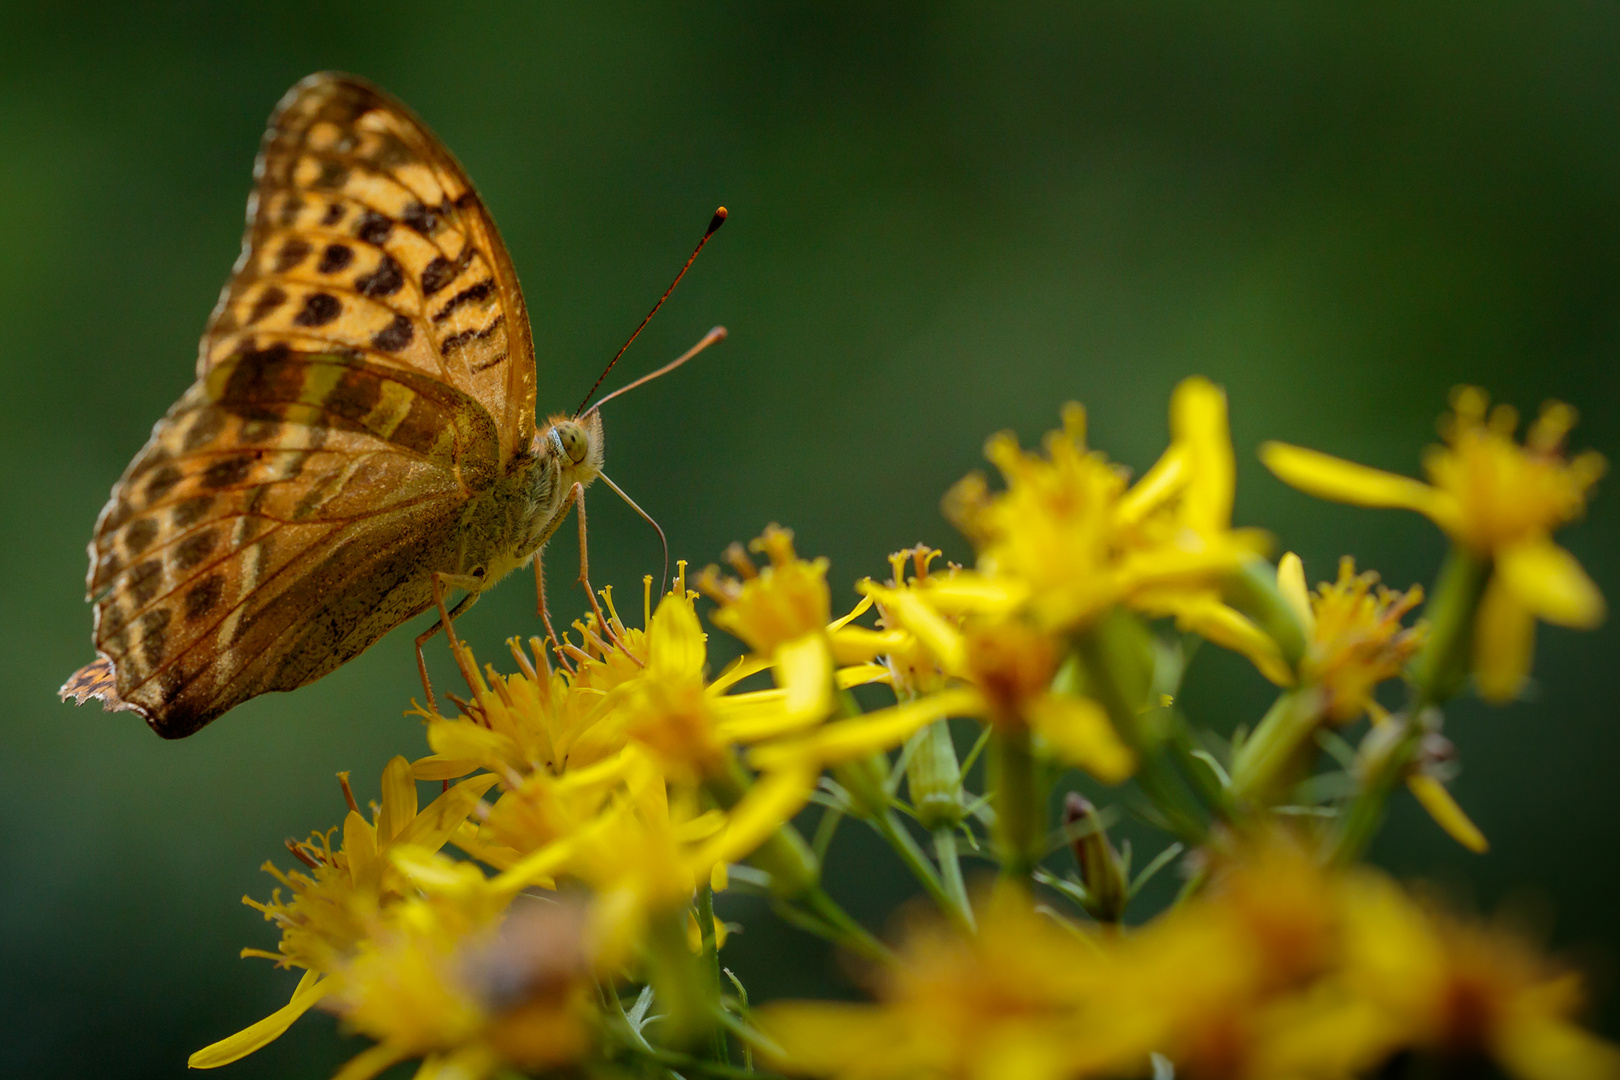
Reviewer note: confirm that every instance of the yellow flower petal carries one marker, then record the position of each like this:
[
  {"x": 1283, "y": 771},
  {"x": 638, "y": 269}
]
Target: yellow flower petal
[
  {"x": 939, "y": 637},
  {"x": 1291, "y": 584},
  {"x": 360, "y": 845},
  {"x": 1198, "y": 422},
  {"x": 882, "y": 729},
  {"x": 859, "y": 645},
  {"x": 1328, "y": 477},
  {"x": 1205, "y": 615},
  {"x": 439, "y": 767},
  {"x": 675, "y": 640},
  {"x": 773, "y": 800},
  {"x": 398, "y": 800},
  {"x": 1550, "y": 583},
  {"x": 1545, "y": 1048},
  {"x": 804, "y": 669},
  {"x": 1434, "y": 798},
  {"x": 371, "y": 1061},
  {"x": 1078, "y": 731},
  {"x": 861, "y": 674},
  {"x": 235, "y": 1047},
  {"x": 435, "y": 825},
  {"x": 1504, "y": 641}
]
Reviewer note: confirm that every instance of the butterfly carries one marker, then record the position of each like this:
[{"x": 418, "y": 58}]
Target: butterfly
[{"x": 360, "y": 437}]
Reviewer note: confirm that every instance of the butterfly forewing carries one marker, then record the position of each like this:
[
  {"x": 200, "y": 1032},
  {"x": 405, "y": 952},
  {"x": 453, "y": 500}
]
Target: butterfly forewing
[
  {"x": 366, "y": 375},
  {"x": 365, "y": 236}
]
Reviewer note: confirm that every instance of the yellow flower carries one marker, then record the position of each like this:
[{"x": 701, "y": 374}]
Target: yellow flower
[
  {"x": 468, "y": 991},
  {"x": 1498, "y": 501},
  {"x": 778, "y": 604},
  {"x": 1009, "y": 1002},
  {"x": 1001, "y": 671},
  {"x": 1354, "y": 636},
  {"x": 1069, "y": 538},
  {"x": 327, "y": 917},
  {"x": 1459, "y": 991}
]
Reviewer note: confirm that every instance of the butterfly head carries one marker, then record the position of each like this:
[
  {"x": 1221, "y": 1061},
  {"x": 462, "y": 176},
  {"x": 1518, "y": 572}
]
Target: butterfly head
[{"x": 575, "y": 444}]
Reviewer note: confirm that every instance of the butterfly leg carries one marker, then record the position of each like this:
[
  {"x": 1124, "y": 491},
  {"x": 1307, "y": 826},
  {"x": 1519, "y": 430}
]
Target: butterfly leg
[
  {"x": 578, "y": 497},
  {"x": 545, "y": 611},
  {"x": 446, "y": 623}
]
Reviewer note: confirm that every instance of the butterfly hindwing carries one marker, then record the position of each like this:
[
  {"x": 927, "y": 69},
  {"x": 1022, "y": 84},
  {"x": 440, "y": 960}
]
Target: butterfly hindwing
[
  {"x": 364, "y": 235},
  {"x": 286, "y": 513}
]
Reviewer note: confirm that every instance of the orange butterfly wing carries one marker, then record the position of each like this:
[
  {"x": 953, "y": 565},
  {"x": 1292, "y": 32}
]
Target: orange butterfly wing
[
  {"x": 367, "y": 373},
  {"x": 365, "y": 234}
]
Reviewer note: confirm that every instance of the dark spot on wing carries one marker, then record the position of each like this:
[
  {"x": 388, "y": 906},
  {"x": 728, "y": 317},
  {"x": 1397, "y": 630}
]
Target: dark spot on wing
[
  {"x": 456, "y": 341},
  {"x": 120, "y": 513},
  {"x": 195, "y": 548},
  {"x": 386, "y": 280},
  {"x": 319, "y": 309},
  {"x": 144, "y": 580},
  {"x": 293, "y": 252},
  {"x": 424, "y": 219},
  {"x": 332, "y": 175},
  {"x": 336, "y": 257},
  {"x": 498, "y": 358},
  {"x": 472, "y": 294},
  {"x": 466, "y": 199},
  {"x": 270, "y": 299},
  {"x": 291, "y": 207},
  {"x": 334, "y": 214},
  {"x": 441, "y": 271},
  {"x": 355, "y": 395},
  {"x": 205, "y": 595},
  {"x": 373, "y": 227},
  {"x": 424, "y": 422},
  {"x": 154, "y": 635},
  {"x": 226, "y": 472},
  {"x": 139, "y": 536},
  {"x": 162, "y": 481},
  {"x": 204, "y": 429},
  {"x": 191, "y": 511},
  {"x": 395, "y": 336}
]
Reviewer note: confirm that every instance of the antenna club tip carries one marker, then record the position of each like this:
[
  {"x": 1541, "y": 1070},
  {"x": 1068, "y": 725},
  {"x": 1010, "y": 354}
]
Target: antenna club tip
[
  {"x": 718, "y": 334},
  {"x": 715, "y": 222}
]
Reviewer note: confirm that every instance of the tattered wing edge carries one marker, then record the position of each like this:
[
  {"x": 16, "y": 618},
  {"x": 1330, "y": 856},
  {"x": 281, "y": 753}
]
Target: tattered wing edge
[{"x": 99, "y": 680}]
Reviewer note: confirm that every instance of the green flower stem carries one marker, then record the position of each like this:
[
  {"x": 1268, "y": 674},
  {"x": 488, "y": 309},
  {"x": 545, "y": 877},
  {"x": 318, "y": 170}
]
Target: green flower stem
[
  {"x": 1271, "y": 756},
  {"x": 950, "y": 872},
  {"x": 1253, "y": 591},
  {"x": 847, "y": 932},
  {"x": 679, "y": 980},
  {"x": 1114, "y": 654},
  {"x": 1018, "y": 797},
  {"x": 794, "y": 869},
  {"x": 718, "y": 1050},
  {"x": 1437, "y": 674},
  {"x": 894, "y": 831},
  {"x": 1440, "y": 670}
]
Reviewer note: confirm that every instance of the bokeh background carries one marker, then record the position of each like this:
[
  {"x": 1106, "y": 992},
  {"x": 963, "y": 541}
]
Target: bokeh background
[{"x": 946, "y": 220}]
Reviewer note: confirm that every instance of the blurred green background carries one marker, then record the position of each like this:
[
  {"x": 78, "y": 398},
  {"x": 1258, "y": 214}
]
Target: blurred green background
[{"x": 946, "y": 220}]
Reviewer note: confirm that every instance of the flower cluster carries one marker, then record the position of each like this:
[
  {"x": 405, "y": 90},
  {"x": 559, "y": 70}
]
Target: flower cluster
[{"x": 553, "y": 906}]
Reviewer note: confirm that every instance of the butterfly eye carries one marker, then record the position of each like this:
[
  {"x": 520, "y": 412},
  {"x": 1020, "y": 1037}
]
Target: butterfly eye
[{"x": 573, "y": 441}]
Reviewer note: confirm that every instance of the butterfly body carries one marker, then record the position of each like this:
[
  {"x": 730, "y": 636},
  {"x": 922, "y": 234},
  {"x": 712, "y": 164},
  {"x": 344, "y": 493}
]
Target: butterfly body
[{"x": 362, "y": 421}]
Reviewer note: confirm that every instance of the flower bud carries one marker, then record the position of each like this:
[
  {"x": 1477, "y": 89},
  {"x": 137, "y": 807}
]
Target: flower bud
[
  {"x": 1102, "y": 871},
  {"x": 934, "y": 778}
]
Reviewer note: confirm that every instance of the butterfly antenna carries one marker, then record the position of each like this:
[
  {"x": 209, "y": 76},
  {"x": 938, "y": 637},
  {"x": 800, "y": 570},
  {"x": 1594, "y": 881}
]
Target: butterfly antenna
[
  {"x": 715, "y": 222},
  {"x": 718, "y": 334},
  {"x": 619, "y": 491}
]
